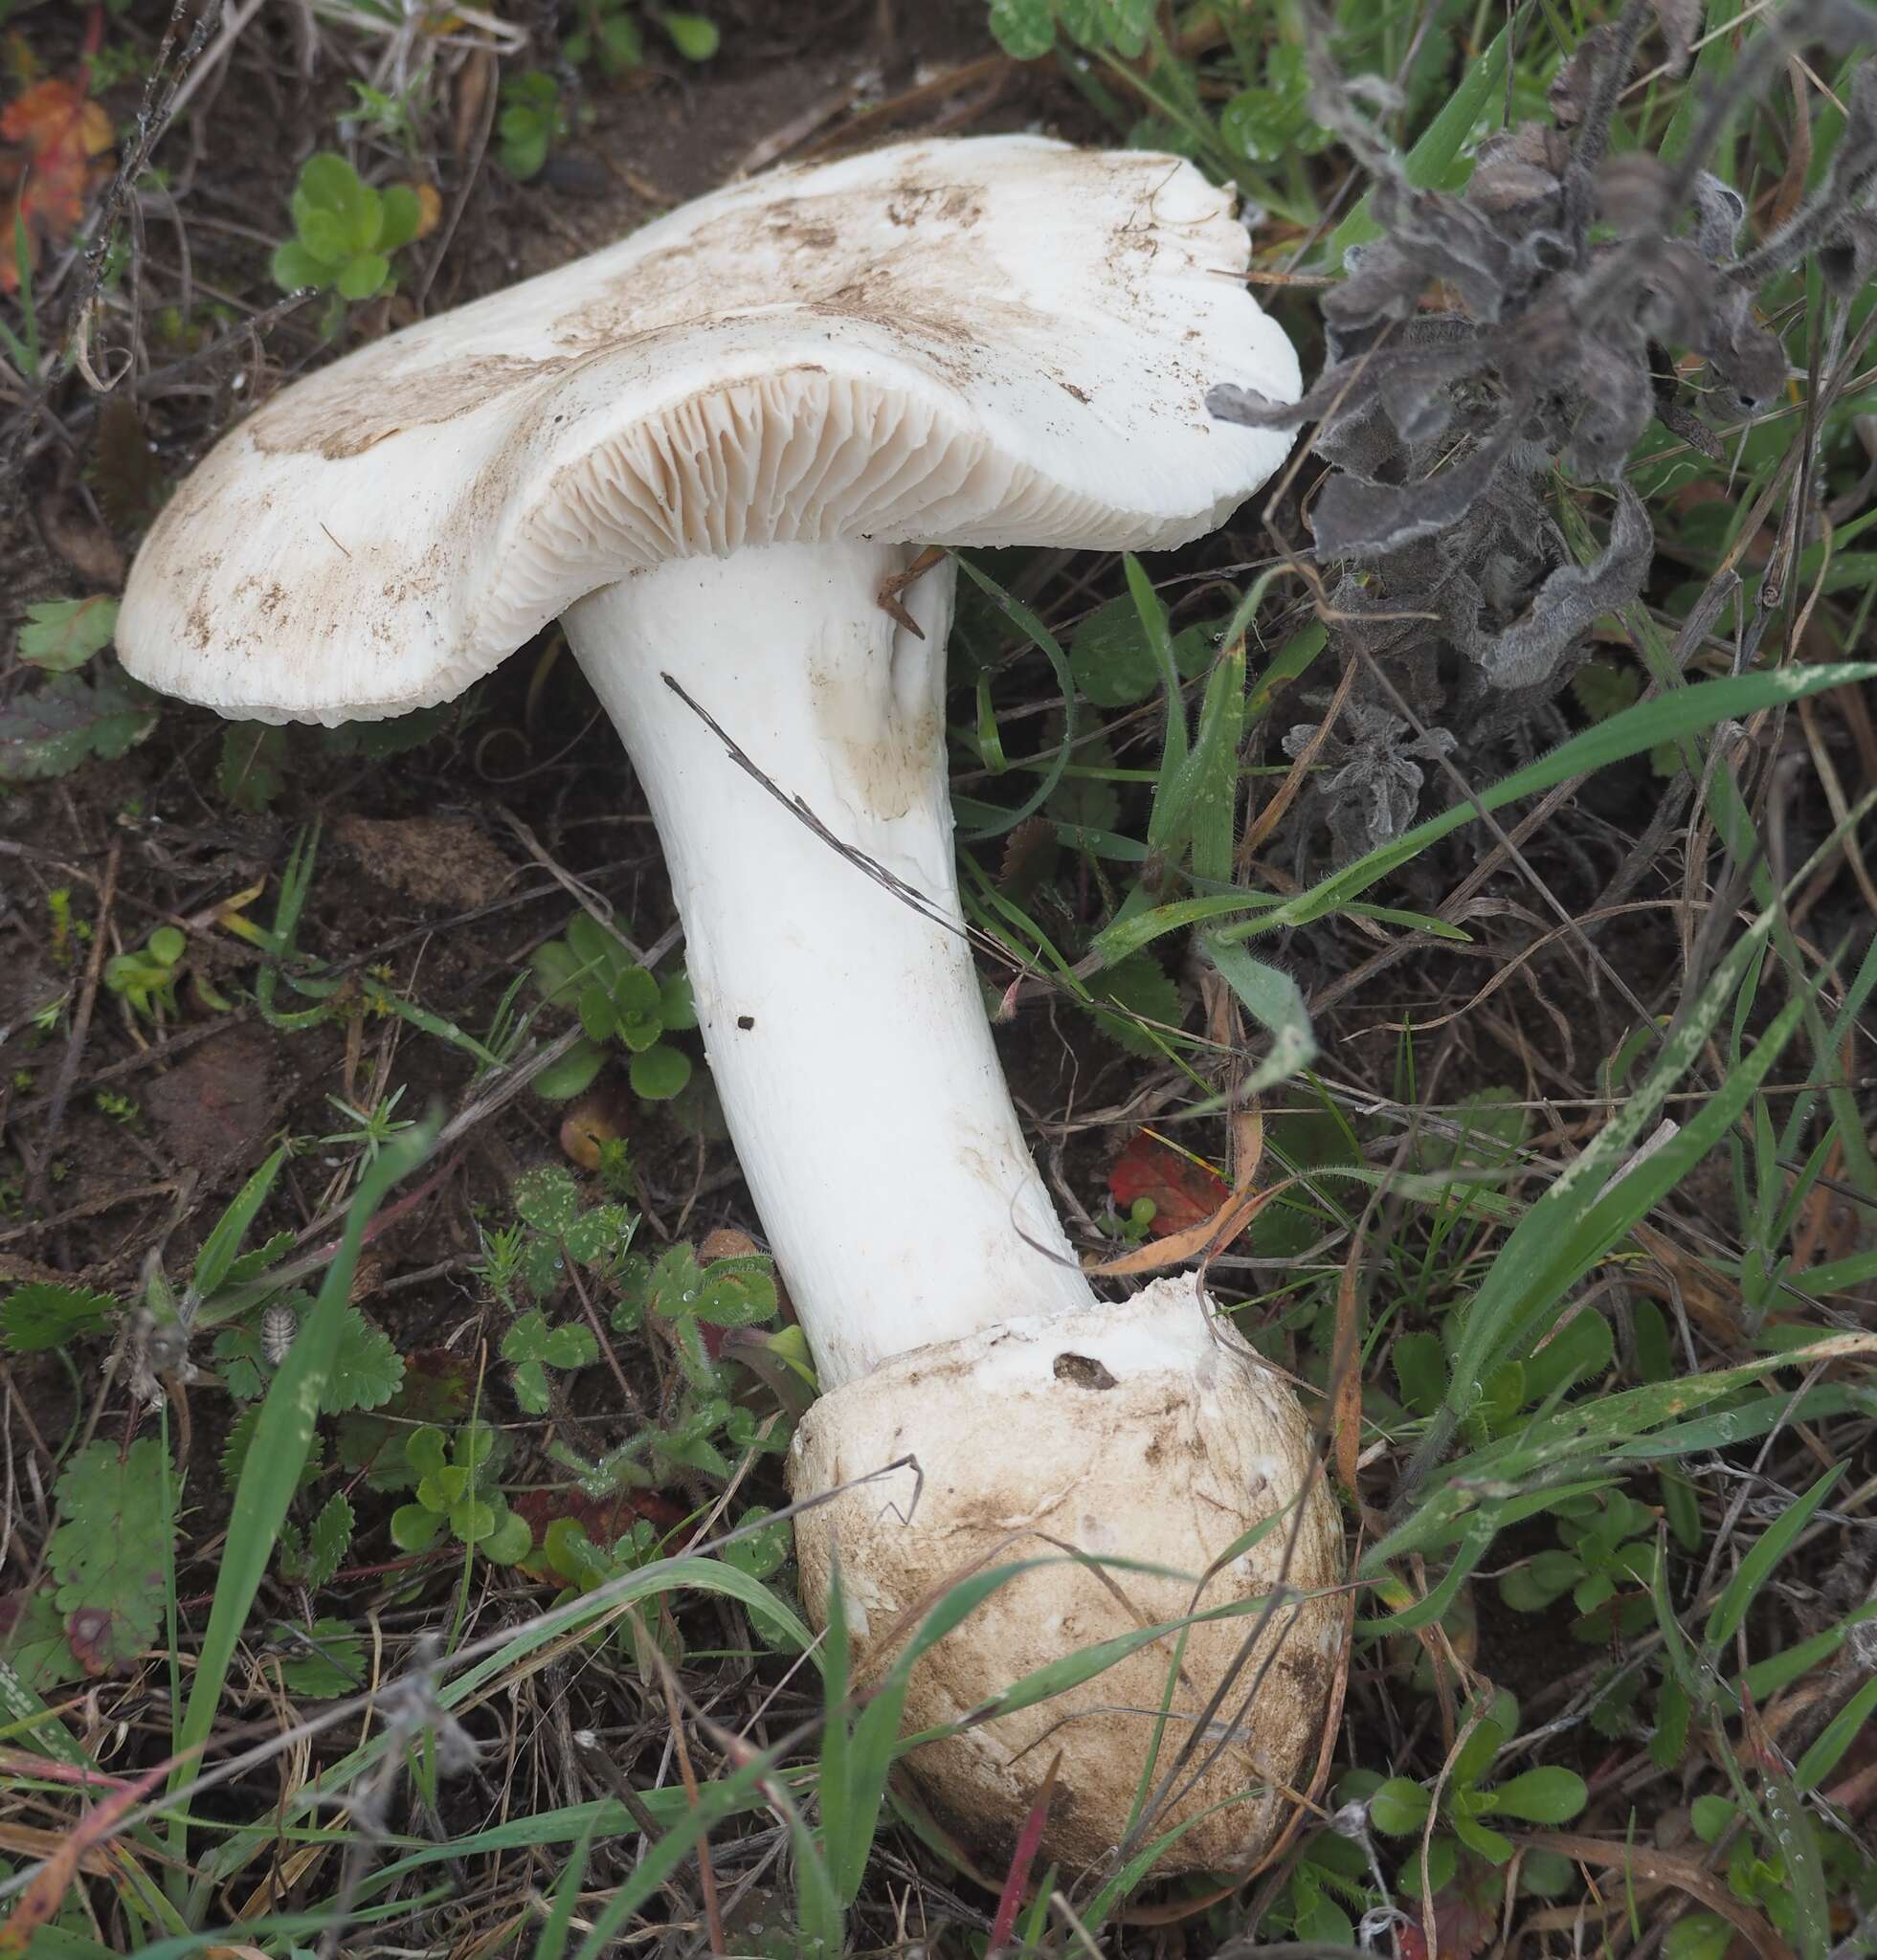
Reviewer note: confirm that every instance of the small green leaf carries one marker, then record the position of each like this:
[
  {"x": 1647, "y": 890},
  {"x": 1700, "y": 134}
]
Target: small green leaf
[
  {"x": 765, "y": 1550},
  {"x": 36, "y": 1654},
  {"x": 1261, "y": 125},
  {"x": 242, "y": 1367},
  {"x": 364, "y": 275},
  {"x": 1025, "y": 30},
  {"x": 547, "y": 1198},
  {"x": 1489, "y": 1844},
  {"x": 328, "y": 1541},
  {"x": 635, "y": 1003},
  {"x": 111, "y": 1550},
  {"x": 1129, "y": 25},
  {"x": 425, "y": 1451},
  {"x": 659, "y": 1074},
  {"x": 597, "y": 1018},
  {"x": 1699, "y": 1936},
  {"x": 525, "y": 132},
  {"x": 677, "y": 1010},
  {"x": 530, "y": 1339},
  {"x": 736, "y": 1292},
  {"x": 1138, "y": 986},
  {"x": 1710, "y": 1816},
  {"x": 366, "y": 1371},
  {"x": 293, "y": 267},
  {"x": 559, "y": 973},
  {"x": 1604, "y": 689},
  {"x": 415, "y": 1528},
  {"x": 1546, "y": 1874},
  {"x": 402, "y": 214},
  {"x": 69, "y": 722},
  {"x": 63, "y": 634},
  {"x": 1398, "y": 1807},
  {"x": 508, "y": 1542},
  {"x": 1086, "y": 22},
  {"x": 1442, "y": 1861},
  {"x": 1475, "y": 1754},
  {"x": 329, "y": 1661},
  {"x": 248, "y": 774},
  {"x": 39, "y": 1316},
  {"x": 476, "y": 1444},
  {"x": 562, "y": 1081},
  {"x": 599, "y": 1235},
  {"x": 325, "y": 235},
  {"x": 528, "y": 1379},
  {"x": 619, "y": 37},
  {"x": 1549, "y": 1795},
  {"x": 472, "y": 1519},
  {"x": 1421, "y": 1366},
  {"x": 1540, "y": 1582},
  {"x": 327, "y": 182},
  {"x": 675, "y": 1284},
  {"x": 1115, "y": 664},
  {"x": 691, "y": 35}
]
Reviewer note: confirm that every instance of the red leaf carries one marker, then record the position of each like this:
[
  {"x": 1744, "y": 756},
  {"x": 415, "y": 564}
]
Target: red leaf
[
  {"x": 56, "y": 135},
  {"x": 604, "y": 1520},
  {"x": 439, "y": 1387},
  {"x": 37, "y": 1904},
  {"x": 1465, "y": 1920},
  {"x": 1185, "y": 1192},
  {"x": 97, "y": 1640}
]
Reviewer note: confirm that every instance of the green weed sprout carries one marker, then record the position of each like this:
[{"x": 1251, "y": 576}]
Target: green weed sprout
[
  {"x": 533, "y": 120},
  {"x": 618, "y": 1000},
  {"x": 345, "y": 232},
  {"x": 1786, "y": 1863},
  {"x": 698, "y": 1308},
  {"x": 1606, "y": 1564},
  {"x": 610, "y": 33},
  {"x": 456, "y": 1491},
  {"x": 1549, "y": 1795},
  {"x": 148, "y": 978}
]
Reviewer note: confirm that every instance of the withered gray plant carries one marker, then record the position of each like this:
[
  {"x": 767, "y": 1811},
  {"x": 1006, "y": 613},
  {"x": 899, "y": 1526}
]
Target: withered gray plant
[{"x": 1570, "y": 277}]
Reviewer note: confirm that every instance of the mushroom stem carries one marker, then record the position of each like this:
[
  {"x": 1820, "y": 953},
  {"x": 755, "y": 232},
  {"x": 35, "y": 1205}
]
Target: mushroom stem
[{"x": 846, "y": 1025}]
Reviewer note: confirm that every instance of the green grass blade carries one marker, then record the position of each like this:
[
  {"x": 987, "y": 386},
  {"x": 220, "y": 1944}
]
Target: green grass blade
[
  {"x": 1431, "y": 159},
  {"x": 1159, "y": 637},
  {"x": 1836, "y": 1738},
  {"x": 1632, "y": 732},
  {"x": 551, "y": 1944},
  {"x": 223, "y": 1245},
  {"x": 1759, "y": 1565},
  {"x": 270, "y": 1475},
  {"x": 836, "y": 1779},
  {"x": 1198, "y": 805},
  {"x": 715, "y": 1802},
  {"x": 1294, "y": 660},
  {"x": 1572, "y": 1226},
  {"x": 649, "y": 1582},
  {"x": 1045, "y": 643}
]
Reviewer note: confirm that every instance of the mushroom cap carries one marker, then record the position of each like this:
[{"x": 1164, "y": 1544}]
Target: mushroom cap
[
  {"x": 1146, "y": 1432},
  {"x": 987, "y": 340}
]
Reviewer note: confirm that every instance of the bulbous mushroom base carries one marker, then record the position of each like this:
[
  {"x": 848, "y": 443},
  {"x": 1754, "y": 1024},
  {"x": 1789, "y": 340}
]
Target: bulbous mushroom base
[{"x": 1145, "y": 1432}]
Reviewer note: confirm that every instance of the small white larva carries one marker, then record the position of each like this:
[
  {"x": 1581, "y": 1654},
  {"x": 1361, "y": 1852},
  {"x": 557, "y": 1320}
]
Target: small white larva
[{"x": 279, "y": 1324}]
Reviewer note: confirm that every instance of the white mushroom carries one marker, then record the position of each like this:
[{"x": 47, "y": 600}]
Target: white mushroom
[{"x": 707, "y": 450}]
